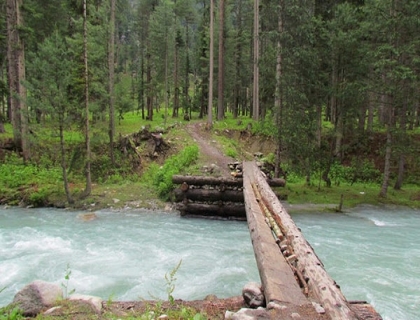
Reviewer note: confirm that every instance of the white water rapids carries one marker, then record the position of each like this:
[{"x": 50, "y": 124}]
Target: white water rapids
[{"x": 372, "y": 253}]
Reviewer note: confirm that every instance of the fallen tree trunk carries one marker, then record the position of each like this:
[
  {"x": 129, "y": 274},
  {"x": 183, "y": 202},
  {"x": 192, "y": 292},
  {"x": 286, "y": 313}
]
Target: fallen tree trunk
[
  {"x": 213, "y": 181},
  {"x": 204, "y": 195},
  {"x": 321, "y": 285},
  {"x": 206, "y": 180},
  {"x": 277, "y": 277},
  {"x": 208, "y": 210}
]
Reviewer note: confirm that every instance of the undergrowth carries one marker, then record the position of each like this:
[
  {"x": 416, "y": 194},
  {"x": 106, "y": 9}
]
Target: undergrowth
[{"x": 161, "y": 176}]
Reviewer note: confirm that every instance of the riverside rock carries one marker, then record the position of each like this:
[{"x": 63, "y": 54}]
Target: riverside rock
[
  {"x": 36, "y": 296},
  {"x": 253, "y": 295}
]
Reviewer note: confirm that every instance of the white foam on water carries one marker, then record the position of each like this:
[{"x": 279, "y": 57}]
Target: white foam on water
[{"x": 125, "y": 255}]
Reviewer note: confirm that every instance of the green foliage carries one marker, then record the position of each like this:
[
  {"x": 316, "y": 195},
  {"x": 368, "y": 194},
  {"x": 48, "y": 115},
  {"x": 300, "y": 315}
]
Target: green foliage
[
  {"x": 11, "y": 312},
  {"x": 16, "y": 175},
  {"x": 230, "y": 152},
  {"x": 162, "y": 177},
  {"x": 39, "y": 198},
  {"x": 265, "y": 127}
]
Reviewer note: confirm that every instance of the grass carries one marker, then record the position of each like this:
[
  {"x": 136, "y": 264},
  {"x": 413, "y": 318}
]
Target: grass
[{"x": 353, "y": 195}]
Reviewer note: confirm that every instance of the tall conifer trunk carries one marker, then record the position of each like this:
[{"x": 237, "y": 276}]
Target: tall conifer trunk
[
  {"x": 16, "y": 76},
  {"x": 211, "y": 65},
  {"x": 256, "y": 47},
  {"x": 278, "y": 102},
  {"x": 221, "y": 75},
  {"x": 88, "y": 188},
  {"x": 111, "y": 61}
]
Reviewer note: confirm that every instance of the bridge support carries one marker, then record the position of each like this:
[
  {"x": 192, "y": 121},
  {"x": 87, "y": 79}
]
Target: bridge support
[{"x": 275, "y": 272}]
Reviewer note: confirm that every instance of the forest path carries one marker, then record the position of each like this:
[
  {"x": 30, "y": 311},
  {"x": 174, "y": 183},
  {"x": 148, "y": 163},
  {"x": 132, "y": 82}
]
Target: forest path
[{"x": 210, "y": 150}]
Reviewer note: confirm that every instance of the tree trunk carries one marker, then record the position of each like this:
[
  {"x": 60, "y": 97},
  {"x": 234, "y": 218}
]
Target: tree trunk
[
  {"x": 278, "y": 103},
  {"x": 387, "y": 166},
  {"x": 149, "y": 98},
  {"x": 403, "y": 145},
  {"x": 88, "y": 188},
  {"x": 211, "y": 64},
  {"x": 320, "y": 284},
  {"x": 238, "y": 55},
  {"x": 63, "y": 161},
  {"x": 256, "y": 89},
  {"x": 213, "y": 181},
  {"x": 175, "y": 111},
  {"x": 111, "y": 61},
  {"x": 221, "y": 85},
  {"x": 16, "y": 76},
  {"x": 187, "y": 106}
]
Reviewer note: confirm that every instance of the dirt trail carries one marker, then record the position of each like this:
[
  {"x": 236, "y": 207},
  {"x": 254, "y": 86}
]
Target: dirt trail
[{"x": 209, "y": 150}]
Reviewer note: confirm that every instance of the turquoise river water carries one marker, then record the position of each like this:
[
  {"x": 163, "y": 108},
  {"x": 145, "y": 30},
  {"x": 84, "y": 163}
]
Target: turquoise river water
[{"x": 373, "y": 254}]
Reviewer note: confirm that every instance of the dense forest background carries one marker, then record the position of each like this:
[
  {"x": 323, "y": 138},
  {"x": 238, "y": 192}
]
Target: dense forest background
[{"x": 332, "y": 81}]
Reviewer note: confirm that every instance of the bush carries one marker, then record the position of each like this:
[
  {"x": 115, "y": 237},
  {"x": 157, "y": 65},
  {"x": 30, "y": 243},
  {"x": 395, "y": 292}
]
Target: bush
[{"x": 162, "y": 177}]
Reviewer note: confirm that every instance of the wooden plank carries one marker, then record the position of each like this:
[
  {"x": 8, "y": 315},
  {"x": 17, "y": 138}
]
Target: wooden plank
[
  {"x": 276, "y": 275},
  {"x": 321, "y": 285}
]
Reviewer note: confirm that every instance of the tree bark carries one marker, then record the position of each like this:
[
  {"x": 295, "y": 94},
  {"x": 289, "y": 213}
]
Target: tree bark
[
  {"x": 213, "y": 181},
  {"x": 221, "y": 74},
  {"x": 212, "y": 210},
  {"x": 278, "y": 102},
  {"x": 211, "y": 66},
  {"x": 175, "y": 111},
  {"x": 205, "y": 195},
  {"x": 256, "y": 46},
  {"x": 326, "y": 291},
  {"x": 16, "y": 76},
  {"x": 63, "y": 161},
  {"x": 111, "y": 66},
  {"x": 403, "y": 144},
  {"x": 387, "y": 166},
  {"x": 88, "y": 188}
]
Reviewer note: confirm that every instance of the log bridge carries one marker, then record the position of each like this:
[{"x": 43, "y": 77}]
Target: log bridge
[{"x": 293, "y": 278}]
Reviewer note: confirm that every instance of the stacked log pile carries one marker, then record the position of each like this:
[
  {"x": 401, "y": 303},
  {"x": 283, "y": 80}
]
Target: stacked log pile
[{"x": 209, "y": 196}]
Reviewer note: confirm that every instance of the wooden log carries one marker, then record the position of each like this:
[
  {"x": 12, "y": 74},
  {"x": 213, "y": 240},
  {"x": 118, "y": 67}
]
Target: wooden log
[
  {"x": 204, "y": 195},
  {"x": 212, "y": 210},
  {"x": 213, "y": 181},
  {"x": 320, "y": 283},
  {"x": 206, "y": 180},
  {"x": 276, "y": 275}
]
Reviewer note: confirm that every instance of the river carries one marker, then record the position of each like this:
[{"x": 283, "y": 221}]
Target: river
[{"x": 371, "y": 252}]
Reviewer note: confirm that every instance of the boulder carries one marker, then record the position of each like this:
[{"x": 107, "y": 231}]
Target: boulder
[
  {"x": 36, "y": 296},
  {"x": 253, "y": 295}
]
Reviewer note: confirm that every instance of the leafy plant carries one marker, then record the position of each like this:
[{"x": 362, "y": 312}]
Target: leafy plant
[
  {"x": 170, "y": 282},
  {"x": 65, "y": 284},
  {"x": 11, "y": 312}
]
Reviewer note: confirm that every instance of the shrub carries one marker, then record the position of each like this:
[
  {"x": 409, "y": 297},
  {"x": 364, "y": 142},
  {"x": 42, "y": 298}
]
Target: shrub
[{"x": 162, "y": 177}]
